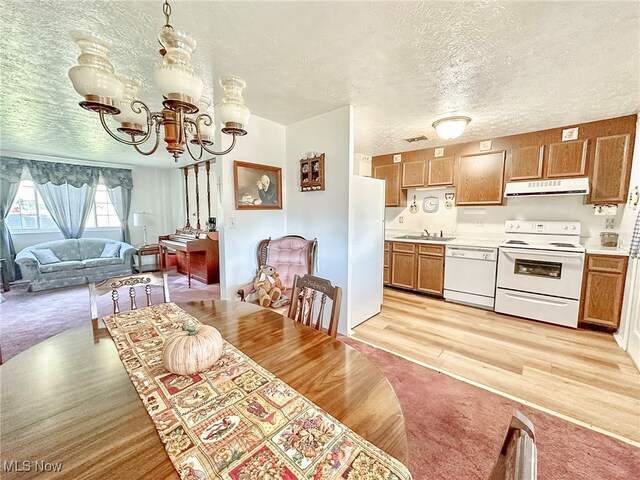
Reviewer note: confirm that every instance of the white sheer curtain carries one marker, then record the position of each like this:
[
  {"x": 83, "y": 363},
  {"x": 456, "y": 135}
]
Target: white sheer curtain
[
  {"x": 69, "y": 206},
  {"x": 121, "y": 199}
]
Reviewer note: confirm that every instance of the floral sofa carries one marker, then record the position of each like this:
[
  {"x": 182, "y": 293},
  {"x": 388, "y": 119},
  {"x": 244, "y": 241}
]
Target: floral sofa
[{"x": 74, "y": 262}]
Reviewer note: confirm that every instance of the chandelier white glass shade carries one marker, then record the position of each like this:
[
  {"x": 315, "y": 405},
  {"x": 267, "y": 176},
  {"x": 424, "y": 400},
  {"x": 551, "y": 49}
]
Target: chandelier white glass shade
[
  {"x": 451, "y": 127},
  {"x": 187, "y": 117}
]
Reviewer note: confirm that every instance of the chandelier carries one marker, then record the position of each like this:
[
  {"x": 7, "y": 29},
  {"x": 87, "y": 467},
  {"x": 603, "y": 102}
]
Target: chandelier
[{"x": 186, "y": 119}]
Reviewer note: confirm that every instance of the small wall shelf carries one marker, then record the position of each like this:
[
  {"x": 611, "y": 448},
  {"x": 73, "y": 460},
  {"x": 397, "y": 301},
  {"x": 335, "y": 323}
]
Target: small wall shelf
[{"x": 312, "y": 174}]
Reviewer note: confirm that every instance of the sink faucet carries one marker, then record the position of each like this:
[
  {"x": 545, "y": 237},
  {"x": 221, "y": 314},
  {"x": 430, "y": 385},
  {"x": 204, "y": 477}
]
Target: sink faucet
[{"x": 427, "y": 233}]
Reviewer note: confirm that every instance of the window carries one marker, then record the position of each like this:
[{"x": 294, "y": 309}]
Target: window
[
  {"x": 103, "y": 214},
  {"x": 28, "y": 211}
]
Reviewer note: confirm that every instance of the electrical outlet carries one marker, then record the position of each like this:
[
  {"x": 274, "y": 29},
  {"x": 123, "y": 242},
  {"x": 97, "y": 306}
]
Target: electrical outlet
[
  {"x": 401, "y": 219},
  {"x": 480, "y": 223},
  {"x": 232, "y": 223},
  {"x": 609, "y": 223}
]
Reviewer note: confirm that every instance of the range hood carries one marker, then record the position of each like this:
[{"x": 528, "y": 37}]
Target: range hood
[{"x": 566, "y": 186}]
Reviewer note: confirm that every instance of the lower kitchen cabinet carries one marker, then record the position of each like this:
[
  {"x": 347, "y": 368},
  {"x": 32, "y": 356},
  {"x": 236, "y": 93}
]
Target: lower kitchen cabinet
[
  {"x": 386, "y": 277},
  {"x": 403, "y": 265},
  {"x": 603, "y": 290},
  {"x": 430, "y": 277},
  {"x": 417, "y": 267}
]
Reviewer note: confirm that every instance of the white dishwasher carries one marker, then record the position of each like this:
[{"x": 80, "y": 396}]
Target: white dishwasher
[{"x": 470, "y": 275}]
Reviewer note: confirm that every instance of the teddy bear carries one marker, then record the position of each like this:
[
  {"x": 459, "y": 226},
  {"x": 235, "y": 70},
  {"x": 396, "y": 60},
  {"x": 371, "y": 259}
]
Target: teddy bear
[{"x": 268, "y": 285}]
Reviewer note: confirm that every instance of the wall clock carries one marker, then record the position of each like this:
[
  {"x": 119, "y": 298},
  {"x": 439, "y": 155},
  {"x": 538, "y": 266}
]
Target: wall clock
[{"x": 430, "y": 204}]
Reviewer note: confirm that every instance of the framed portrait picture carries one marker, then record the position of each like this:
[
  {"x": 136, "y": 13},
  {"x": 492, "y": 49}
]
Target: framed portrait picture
[{"x": 257, "y": 187}]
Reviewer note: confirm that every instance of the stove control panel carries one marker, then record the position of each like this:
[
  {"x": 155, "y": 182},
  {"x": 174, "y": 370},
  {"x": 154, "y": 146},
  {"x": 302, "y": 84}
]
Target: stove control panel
[{"x": 548, "y": 228}]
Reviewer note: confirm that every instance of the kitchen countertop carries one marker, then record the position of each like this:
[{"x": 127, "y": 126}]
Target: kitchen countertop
[
  {"x": 600, "y": 250},
  {"x": 462, "y": 241},
  {"x": 491, "y": 241}
]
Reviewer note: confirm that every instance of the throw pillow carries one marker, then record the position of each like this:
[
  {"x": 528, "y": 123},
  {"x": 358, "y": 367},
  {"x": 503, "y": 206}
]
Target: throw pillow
[
  {"x": 45, "y": 256},
  {"x": 110, "y": 250}
]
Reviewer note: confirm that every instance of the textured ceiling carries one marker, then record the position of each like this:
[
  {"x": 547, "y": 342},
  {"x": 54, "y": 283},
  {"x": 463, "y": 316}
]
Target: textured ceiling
[{"x": 512, "y": 67}]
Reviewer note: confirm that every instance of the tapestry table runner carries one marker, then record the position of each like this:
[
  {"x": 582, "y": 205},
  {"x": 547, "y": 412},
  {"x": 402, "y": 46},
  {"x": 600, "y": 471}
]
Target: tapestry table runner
[{"x": 237, "y": 420}]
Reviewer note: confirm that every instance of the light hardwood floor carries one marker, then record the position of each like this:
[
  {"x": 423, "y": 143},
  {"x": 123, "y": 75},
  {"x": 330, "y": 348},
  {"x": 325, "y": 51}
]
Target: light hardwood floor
[{"x": 579, "y": 374}]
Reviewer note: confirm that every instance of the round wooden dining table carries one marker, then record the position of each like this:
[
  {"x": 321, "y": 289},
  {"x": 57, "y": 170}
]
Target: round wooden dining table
[{"x": 69, "y": 403}]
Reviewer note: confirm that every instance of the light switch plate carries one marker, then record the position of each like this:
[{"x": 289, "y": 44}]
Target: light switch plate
[
  {"x": 438, "y": 152},
  {"x": 232, "y": 223},
  {"x": 397, "y": 158},
  {"x": 569, "y": 134},
  {"x": 485, "y": 145}
]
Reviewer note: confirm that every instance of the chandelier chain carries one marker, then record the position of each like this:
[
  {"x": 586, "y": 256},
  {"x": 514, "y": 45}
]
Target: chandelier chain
[{"x": 166, "y": 9}]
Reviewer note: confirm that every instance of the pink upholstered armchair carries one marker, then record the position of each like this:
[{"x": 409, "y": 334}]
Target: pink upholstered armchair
[{"x": 290, "y": 256}]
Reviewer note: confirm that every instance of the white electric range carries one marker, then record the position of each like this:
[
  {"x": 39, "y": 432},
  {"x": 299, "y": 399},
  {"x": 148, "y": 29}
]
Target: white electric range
[{"x": 540, "y": 267}]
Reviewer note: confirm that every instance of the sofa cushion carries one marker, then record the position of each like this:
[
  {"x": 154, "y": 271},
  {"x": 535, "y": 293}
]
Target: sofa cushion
[
  {"x": 101, "y": 262},
  {"x": 45, "y": 256},
  {"x": 93, "y": 247},
  {"x": 57, "y": 267},
  {"x": 65, "y": 250},
  {"x": 110, "y": 250}
]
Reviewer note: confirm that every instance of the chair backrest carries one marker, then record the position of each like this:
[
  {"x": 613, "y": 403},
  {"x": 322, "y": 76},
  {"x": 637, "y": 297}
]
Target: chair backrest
[
  {"x": 518, "y": 456},
  {"x": 290, "y": 255},
  {"x": 130, "y": 282},
  {"x": 305, "y": 300}
]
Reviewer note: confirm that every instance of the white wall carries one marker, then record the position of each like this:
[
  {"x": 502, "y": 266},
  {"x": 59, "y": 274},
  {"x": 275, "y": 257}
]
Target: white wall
[
  {"x": 491, "y": 219},
  {"x": 324, "y": 214},
  {"x": 264, "y": 144}
]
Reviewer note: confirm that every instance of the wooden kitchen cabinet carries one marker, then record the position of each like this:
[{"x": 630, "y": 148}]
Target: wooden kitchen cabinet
[
  {"x": 413, "y": 174},
  {"x": 417, "y": 267},
  {"x": 603, "y": 290},
  {"x": 440, "y": 171},
  {"x": 567, "y": 159},
  {"x": 403, "y": 265},
  {"x": 386, "y": 277},
  {"x": 430, "y": 275},
  {"x": 394, "y": 196},
  {"x": 525, "y": 163},
  {"x": 480, "y": 179},
  {"x": 610, "y": 169}
]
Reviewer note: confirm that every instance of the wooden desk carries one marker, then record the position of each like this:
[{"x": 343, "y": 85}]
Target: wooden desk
[
  {"x": 144, "y": 250},
  {"x": 70, "y": 400}
]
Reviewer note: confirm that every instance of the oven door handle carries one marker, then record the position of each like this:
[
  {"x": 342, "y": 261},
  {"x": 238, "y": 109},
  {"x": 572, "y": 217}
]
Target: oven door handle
[
  {"x": 555, "y": 303},
  {"x": 541, "y": 253}
]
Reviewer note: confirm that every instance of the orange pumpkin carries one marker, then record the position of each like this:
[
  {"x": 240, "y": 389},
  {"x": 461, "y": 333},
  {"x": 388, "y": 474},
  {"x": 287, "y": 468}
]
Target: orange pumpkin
[{"x": 192, "y": 350}]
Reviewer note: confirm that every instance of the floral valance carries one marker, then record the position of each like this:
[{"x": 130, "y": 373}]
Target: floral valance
[{"x": 60, "y": 173}]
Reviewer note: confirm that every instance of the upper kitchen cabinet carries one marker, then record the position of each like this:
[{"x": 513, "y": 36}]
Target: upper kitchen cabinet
[
  {"x": 525, "y": 163},
  {"x": 413, "y": 174},
  {"x": 480, "y": 179},
  {"x": 567, "y": 159},
  {"x": 391, "y": 173},
  {"x": 440, "y": 171},
  {"x": 610, "y": 169}
]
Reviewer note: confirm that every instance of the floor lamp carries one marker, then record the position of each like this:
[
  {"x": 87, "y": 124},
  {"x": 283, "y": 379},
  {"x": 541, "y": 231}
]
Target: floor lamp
[{"x": 143, "y": 220}]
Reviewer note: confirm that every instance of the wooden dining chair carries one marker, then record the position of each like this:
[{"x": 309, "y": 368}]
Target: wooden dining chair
[
  {"x": 130, "y": 282},
  {"x": 518, "y": 456},
  {"x": 305, "y": 299}
]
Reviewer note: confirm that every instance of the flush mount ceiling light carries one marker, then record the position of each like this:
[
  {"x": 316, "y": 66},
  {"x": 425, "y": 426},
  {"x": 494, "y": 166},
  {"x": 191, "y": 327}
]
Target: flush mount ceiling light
[
  {"x": 187, "y": 116},
  {"x": 451, "y": 127}
]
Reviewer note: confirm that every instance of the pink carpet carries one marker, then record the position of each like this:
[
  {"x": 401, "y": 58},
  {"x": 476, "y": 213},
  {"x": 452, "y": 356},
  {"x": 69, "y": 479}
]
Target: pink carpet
[
  {"x": 455, "y": 429},
  {"x": 28, "y": 318}
]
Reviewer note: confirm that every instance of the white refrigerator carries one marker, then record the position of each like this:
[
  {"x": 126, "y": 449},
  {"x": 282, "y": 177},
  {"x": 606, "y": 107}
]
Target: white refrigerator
[{"x": 366, "y": 243}]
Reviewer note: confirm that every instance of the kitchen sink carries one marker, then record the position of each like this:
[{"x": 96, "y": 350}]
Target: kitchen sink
[{"x": 433, "y": 238}]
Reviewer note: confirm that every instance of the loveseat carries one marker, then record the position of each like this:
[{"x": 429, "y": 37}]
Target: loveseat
[{"x": 74, "y": 262}]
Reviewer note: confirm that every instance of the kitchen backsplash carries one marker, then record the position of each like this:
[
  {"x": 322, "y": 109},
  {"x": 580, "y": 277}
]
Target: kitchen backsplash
[{"x": 491, "y": 219}]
